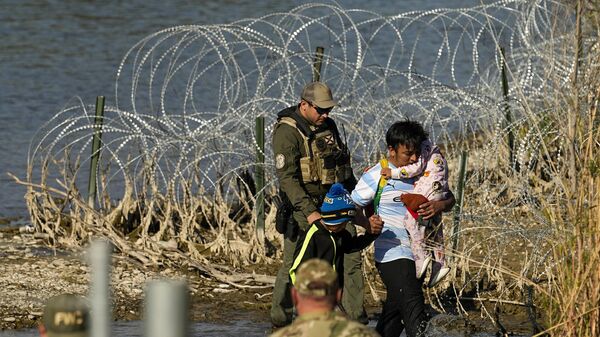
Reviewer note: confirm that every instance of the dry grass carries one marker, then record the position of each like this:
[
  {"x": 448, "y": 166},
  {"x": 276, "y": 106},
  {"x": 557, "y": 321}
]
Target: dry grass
[
  {"x": 547, "y": 214},
  {"x": 157, "y": 231}
]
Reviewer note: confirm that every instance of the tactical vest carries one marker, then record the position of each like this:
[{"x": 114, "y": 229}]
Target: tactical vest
[{"x": 326, "y": 160}]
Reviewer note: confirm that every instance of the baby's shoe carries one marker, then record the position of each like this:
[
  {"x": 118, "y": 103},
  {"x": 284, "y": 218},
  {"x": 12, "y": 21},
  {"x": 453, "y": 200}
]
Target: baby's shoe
[
  {"x": 438, "y": 272},
  {"x": 421, "y": 266}
]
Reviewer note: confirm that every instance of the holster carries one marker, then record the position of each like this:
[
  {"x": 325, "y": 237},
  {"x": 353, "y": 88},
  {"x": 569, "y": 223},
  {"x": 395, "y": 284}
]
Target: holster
[{"x": 284, "y": 220}]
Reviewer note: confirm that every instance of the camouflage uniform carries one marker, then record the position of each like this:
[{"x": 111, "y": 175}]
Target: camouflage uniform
[
  {"x": 325, "y": 325},
  {"x": 305, "y": 189},
  {"x": 317, "y": 280}
]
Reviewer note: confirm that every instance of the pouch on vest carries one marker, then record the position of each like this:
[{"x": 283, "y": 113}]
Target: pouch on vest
[
  {"x": 309, "y": 172},
  {"x": 325, "y": 150},
  {"x": 343, "y": 173},
  {"x": 342, "y": 161},
  {"x": 328, "y": 169}
]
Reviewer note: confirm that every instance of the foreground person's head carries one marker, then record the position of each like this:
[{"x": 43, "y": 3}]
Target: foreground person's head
[
  {"x": 65, "y": 315},
  {"x": 316, "y": 288}
]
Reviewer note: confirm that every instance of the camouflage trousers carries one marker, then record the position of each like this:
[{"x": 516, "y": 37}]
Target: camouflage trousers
[{"x": 352, "y": 297}]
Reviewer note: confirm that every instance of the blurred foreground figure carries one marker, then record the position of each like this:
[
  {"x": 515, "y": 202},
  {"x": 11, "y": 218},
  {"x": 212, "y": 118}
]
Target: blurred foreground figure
[
  {"x": 65, "y": 316},
  {"x": 315, "y": 296}
]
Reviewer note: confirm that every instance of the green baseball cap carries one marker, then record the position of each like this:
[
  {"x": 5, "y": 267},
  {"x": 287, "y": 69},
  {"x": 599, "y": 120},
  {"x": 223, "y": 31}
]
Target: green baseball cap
[
  {"x": 66, "y": 315},
  {"x": 319, "y": 94},
  {"x": 316, "y": 278}
]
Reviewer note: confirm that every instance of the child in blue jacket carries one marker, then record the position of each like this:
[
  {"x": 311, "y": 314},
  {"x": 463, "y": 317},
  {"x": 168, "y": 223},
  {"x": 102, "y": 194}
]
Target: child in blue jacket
[{"x": 328, "y": 239}]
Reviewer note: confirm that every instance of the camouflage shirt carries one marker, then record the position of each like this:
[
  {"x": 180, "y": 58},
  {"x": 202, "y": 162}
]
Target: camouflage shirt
[{"x": 325, "y": 325}]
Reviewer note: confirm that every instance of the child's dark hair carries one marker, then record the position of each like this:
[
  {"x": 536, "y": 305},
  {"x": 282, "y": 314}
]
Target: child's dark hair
[{"x": 408, "y": 133}]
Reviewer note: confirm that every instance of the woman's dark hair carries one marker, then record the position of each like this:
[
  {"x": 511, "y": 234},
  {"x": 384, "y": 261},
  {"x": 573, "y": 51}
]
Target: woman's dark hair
[{"x": 408, "y": 133}]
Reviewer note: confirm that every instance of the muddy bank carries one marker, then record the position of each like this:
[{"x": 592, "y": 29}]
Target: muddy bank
[{"x": 31, "y": 272}]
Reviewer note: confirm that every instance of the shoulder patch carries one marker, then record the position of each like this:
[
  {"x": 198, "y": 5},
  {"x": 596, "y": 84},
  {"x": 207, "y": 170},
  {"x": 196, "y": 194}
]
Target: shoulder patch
[{"x": 279, "y": 161}]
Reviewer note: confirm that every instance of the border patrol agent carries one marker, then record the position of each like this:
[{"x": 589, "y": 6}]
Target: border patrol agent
[
  {"x": 315, "y": 295},
  {"x": 309, "y": 157}
]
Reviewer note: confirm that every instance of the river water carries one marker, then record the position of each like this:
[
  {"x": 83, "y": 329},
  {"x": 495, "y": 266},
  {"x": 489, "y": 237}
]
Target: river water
[
  {"x": 54, "y": 50},
  {"x": 135, "y": 329}
]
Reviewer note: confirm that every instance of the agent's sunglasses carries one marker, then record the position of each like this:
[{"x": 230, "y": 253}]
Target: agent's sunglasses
[{"x": 320, "y": 111}]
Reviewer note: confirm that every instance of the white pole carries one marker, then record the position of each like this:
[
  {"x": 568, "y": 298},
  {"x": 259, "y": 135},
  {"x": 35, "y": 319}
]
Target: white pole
[
  {"x": 99, "y": 258},
  {"x": 166, "y": 309}
]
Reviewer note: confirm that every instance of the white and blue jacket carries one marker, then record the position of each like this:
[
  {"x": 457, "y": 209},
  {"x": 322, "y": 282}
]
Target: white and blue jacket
[{"x": 393, "y": 243}]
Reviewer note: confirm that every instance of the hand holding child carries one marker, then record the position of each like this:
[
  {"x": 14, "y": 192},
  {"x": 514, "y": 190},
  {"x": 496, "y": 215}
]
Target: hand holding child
[
  {"x": 386, "y": 173},
  {"x": 375, "y": 224},
  {"x": 430, "y": 208}
]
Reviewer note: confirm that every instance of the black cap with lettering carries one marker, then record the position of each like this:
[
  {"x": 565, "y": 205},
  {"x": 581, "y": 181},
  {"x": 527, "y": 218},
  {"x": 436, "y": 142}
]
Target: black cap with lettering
[{"x": 66, "y": 315}]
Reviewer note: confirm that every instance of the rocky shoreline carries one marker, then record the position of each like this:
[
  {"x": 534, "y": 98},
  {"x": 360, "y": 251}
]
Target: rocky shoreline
[{"x": 31, "y": 272}]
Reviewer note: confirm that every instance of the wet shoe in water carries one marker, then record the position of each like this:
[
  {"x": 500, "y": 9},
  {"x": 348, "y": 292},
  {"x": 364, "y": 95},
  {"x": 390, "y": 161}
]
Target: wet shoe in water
[{"x": 438, "y": 272}]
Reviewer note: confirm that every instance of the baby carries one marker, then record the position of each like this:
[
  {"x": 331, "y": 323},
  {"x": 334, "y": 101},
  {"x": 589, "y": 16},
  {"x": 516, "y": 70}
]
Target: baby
[{"x": 431, "y": 185}]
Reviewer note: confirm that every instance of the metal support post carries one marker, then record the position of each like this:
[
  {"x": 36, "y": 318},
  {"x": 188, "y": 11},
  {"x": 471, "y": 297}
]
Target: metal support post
[{"x": 95, "y": 150}]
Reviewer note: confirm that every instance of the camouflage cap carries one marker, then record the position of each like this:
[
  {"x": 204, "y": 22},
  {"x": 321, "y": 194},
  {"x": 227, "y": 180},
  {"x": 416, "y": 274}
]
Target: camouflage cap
[
  {"x": 66, "y": 315},
  {"x": 319, "y": 94},
  {"x": 316, "y": 278}
]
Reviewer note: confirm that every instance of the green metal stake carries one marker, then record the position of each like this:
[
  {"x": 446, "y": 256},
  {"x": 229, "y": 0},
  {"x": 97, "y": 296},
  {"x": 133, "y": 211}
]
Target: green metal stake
[
  {"x": 260, "y": 177},
  {"x": 507, "y": 114},
  {"x": 95, "y": 150},
  {"x": 459, "y": 203},
  {"x": 317, "y": 64}
]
